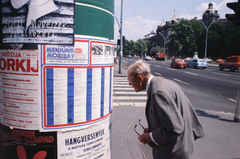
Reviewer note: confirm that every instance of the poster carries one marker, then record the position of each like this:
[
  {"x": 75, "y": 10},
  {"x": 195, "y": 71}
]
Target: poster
[
  {"x": 90, "y": 143},
  {"x": 75, "y": 92},
  {"x": 102, "y": 52},
  {"x": 20, "y": 88},
  {"x": 37, "y": 22},
  {"x": 25, "y": 144},
  {"x": 67, "y": 54},
  {"x": 75, "y": 97}
]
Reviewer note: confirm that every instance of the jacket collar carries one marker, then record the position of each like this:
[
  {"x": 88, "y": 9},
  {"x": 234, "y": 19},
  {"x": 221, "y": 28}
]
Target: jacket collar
[{"x": 148, "y": 83}]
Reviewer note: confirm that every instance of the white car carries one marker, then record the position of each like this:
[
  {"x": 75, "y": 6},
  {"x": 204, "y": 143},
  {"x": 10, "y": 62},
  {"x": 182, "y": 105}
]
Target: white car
[
  {"x": 148, "y": 58},
  {"x": 209, "y": 60},
  {"x": 187, "y": 59},
  {"x": 197, "y": 63}
]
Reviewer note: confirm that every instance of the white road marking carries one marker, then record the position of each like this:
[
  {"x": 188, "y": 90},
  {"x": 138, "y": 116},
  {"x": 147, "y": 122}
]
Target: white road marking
[
  {"x": 232, "y": 100},
  {"x": 181, "y": 81},
  {"x": 171, "y": 69},
  {"x": 158, "y": 73},
  {"x": 158, "y": 66},
  {"x": 221, "y": 74},
  {"x": 191, "y": 73}
]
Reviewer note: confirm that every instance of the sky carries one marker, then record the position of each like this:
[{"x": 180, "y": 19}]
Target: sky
[{"x": 140, "y": 17}]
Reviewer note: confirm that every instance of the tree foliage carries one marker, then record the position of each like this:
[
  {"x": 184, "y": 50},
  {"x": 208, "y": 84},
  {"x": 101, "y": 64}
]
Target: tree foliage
[
  {"x": 140, "y": 47},
  {"x": 189, "y": 35},
  {"x": 134, "y": 48},
  {"x": 183, "y": 38},
  {"x": 155, "y": 50},
  {"x": 128, "y": 47}
]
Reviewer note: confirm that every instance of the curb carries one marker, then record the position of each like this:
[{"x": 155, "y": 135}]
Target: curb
[{"x": 120, "y": 75}]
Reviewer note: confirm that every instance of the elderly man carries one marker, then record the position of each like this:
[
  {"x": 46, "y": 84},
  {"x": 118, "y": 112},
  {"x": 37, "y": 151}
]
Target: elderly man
[{"x": 172, "y": 122}]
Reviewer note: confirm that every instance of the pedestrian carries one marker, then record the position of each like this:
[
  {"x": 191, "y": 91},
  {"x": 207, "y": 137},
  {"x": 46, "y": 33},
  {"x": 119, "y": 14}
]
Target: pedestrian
[{"x": 172, "y": 122}]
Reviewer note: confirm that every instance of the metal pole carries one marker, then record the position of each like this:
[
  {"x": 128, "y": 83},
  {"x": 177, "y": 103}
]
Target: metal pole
[
  {"x": 121, "y": 42},
  {"x": 206, "y": 44},
  {"x": 207, "y": 28},
  {"x": 237, "y": 113},
  {"x": 164, "y": 40}
]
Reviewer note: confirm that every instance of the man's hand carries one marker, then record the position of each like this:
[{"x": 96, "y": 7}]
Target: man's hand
[{"x": 145, "y": 138}]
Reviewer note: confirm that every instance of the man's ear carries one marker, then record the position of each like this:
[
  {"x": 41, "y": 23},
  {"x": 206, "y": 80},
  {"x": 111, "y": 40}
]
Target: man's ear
[{"x": 140, "y": 77}]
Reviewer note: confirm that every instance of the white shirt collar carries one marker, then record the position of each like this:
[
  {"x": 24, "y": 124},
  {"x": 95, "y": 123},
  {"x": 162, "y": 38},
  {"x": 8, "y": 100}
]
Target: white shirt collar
[{"x": 148, "y": 82}]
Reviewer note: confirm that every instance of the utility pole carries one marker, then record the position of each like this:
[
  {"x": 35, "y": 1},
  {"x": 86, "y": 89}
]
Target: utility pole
[
  {"x": 121, "y": 41},
  {"x": 164, "y": 39},
  {"x": 207, "y": 28}
]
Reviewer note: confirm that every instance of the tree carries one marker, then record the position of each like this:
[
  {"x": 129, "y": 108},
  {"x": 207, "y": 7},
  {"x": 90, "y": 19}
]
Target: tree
[
  {"x": 199, "y": 33},
  {"x": 223, "y": 39},
  {"x": 126, "y": 50},
  {"x": 182, "y": 37},
  {"x": 232, "y": 35},
  {"x": 216, "y": 40},
  {"x": 155, "y": 50},
  {"x": 148, "y": 43},
  {"x": 141, "y": 48},
  {"x": 128, "y": 47}
]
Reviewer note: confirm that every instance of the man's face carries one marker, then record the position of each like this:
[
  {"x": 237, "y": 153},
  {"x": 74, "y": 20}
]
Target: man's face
[{"x": 135, "y": 82}]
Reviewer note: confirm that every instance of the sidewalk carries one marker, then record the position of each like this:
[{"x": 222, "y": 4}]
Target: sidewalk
[
  {"x": 123, "y": 70},
  {"x": 222, "y": 135},
  {"x": 126, "y": 113}
]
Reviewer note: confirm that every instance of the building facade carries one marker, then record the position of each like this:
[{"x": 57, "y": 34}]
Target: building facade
[
  {"x": 156, "y": 39},
  {"x": 209, "y": 15}
]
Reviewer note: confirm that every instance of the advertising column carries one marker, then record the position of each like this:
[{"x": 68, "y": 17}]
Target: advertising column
[{"x": 56, "y": 78}]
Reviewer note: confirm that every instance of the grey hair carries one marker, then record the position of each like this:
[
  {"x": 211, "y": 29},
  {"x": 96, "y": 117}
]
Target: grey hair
[{"x": 139, "y": 68}]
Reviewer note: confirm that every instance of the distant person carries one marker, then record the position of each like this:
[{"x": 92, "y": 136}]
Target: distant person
[{"x": 172, "y": 122}]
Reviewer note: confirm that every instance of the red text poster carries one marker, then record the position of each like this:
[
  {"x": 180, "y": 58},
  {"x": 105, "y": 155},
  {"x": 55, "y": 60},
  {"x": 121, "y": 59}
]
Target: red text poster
[{"x": 20, "y": 94}]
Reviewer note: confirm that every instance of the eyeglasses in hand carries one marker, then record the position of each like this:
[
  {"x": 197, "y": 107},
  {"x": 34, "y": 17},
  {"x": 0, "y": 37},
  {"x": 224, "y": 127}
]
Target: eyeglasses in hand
[{"x": 151, "y": 144}]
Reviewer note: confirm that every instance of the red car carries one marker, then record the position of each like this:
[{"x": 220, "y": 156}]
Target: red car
[
  {"x": 219, "y": 60},
  {"x": 178, "y": 62}
]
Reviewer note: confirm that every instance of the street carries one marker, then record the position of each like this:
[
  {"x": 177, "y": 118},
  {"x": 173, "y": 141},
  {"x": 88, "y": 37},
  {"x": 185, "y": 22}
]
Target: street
[
  {"x": 209, "y": 89},
  {"x": 213, "y": 95}
]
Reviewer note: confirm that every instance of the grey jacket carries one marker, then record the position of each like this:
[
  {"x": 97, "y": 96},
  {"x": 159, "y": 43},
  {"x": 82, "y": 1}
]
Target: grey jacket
[{"x": 172, "y": 120}]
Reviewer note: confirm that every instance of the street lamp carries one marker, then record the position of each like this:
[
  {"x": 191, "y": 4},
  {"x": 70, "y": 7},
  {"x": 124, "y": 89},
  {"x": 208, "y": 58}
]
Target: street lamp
[
  {"x": 121, "y": 42},
  {"x": 164, "y": 39},
  {"x": 207, "y": 28}
]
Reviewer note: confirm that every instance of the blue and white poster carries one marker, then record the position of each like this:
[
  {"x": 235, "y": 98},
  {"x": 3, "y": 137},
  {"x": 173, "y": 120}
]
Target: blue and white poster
[{"x": 75, "y": 98}]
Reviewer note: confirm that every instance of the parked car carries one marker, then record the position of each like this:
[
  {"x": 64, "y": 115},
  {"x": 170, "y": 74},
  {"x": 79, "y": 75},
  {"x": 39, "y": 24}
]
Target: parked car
[
  {"x": 209, "y": 60},
  {"x": 232, "y": 63},
  {"x": 197, "y": 63},
  {"x": 178, "y": 62},
  {"x": 187, "y": 59},
  {"x": 219, "y": 60},
  {"x": 129, "y": 56},
  {"x": 148, "y": 58}
]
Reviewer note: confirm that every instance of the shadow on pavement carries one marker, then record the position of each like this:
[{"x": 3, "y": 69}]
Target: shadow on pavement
[{"x": 205, "y": 114}]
